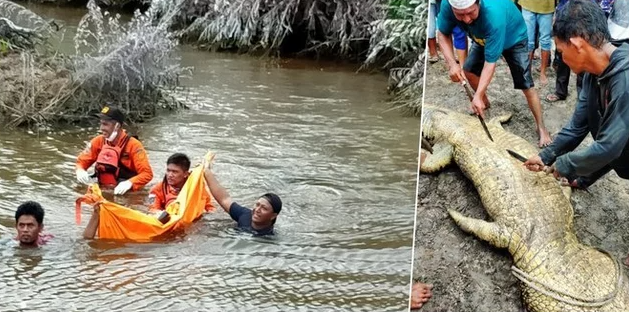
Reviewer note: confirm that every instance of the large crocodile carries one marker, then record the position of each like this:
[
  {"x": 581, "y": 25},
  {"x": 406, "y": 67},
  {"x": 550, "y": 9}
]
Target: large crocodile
[{"x": 532, "y": 217}]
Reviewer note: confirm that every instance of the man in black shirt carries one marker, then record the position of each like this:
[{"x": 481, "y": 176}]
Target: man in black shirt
[{"x": 259, "y": 221}]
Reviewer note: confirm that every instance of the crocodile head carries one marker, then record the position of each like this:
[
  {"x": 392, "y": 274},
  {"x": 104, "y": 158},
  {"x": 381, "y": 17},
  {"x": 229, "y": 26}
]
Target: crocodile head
[
  {"x": 435, "y": 129},
  {"x": 443, "y": 131}
]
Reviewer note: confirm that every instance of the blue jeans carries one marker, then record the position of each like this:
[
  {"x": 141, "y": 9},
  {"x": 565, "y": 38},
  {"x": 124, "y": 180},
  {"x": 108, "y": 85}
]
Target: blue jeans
[
  {"x": 545, "y": 24},
  {"x": 432, "y": 20},
  {"x": 460, "y": 38}
]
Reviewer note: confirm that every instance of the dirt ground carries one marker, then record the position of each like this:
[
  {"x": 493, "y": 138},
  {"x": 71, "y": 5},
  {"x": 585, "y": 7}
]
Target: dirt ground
[{"x": 468, "y": 274}]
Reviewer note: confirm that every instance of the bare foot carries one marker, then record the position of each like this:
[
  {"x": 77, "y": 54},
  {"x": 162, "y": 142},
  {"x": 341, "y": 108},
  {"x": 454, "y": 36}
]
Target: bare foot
[
  {"x": 420, "y": 294},
  {"x": 544, "y": 137}
]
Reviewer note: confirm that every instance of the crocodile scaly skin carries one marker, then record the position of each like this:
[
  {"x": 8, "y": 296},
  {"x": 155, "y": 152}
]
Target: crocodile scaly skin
[{"x": 532, "y": 216}]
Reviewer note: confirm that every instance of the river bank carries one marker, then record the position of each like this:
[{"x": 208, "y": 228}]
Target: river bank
[
  {"x": 288, "y": 28},
  {"x": 131, "y": 63},
  {"x": 372, "y": 34}
]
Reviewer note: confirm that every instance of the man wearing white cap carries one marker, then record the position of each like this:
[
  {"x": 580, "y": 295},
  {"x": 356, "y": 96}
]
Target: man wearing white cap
[{"x": 496, "y": 28}]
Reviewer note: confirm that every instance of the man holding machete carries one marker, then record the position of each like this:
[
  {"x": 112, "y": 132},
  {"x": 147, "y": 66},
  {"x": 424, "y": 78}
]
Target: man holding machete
[
  {"x": 602, "y": 107},
  {"x": 497, "y": 28}
]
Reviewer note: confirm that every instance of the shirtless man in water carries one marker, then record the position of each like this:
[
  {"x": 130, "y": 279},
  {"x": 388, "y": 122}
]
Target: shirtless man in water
[{"x": 29, "y": 223}]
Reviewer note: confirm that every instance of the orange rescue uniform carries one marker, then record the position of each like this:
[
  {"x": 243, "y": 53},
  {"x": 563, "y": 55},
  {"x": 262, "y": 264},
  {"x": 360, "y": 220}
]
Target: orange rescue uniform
[
  {"x": 162, "y": 196},
  {"x": 133, "y": 158}
]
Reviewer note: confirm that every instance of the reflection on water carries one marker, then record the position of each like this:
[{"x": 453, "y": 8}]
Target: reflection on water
[{"x": 316, "y": 136}]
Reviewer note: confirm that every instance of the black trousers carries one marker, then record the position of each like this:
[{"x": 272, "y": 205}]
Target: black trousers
[{"x": 563, "y": 78}]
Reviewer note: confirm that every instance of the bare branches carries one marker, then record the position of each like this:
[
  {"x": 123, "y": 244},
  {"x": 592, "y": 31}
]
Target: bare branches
[
  {"x": 21, "y": 16},
  {"x": 20, "y": 27},
  {"x": 399, "y": 39},
  {"x": 403, "y": 34},
  {"x": 330, "y": 27},
  {"x": 132, "y": 65}
]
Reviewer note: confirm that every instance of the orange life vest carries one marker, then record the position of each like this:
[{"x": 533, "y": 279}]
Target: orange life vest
[
  {"x": 108, "y": 163},
  {"x": 169, "y": 194}
]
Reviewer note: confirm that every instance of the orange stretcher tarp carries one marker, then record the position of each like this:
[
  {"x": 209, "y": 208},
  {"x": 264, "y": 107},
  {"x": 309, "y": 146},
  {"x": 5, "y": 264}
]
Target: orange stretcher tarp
[{"x": 122, "y": 223}]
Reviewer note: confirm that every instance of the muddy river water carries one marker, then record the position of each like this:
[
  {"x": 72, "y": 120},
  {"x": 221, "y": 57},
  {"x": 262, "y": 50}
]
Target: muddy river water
[{"x": 316, "y": 134}]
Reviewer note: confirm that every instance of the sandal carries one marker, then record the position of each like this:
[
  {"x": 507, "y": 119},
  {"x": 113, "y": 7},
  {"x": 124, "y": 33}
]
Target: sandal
[
  {"x": 433, "y": 59},
  {"x": 552, "y": 98}
]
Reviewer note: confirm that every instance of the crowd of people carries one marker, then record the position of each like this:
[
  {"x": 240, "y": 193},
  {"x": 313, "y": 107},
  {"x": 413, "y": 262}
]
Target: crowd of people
[{"x": 591, "y": 39}]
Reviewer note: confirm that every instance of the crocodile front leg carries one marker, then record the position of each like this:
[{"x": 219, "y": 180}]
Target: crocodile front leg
[{"x": 438, "y": 159}]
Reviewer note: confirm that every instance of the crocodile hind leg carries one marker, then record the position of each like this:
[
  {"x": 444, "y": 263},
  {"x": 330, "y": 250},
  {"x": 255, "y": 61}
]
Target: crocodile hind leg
[
  {"x": 491, "y": 232},
  {"x": 438, "y": 159}
]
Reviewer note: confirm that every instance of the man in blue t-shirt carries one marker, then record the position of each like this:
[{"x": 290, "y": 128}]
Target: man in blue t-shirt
[
  {"x": 496, "y": 28},
  {"x": 259, "y": 221}
]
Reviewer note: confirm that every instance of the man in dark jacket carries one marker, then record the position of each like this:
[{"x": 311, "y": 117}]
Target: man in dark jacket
[{"x": 602, "y": 108}]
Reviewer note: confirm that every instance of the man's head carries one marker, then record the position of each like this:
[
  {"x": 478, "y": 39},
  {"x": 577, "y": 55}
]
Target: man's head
[
  {"x": 111, "y": 120},
  {"x": 577, "y": 40},
  {"x": 465, "y": 11},
  {"x": 29, "y": 222},
  {"x": 177, "y": 167},
  {"x": 266, "y": 209}
]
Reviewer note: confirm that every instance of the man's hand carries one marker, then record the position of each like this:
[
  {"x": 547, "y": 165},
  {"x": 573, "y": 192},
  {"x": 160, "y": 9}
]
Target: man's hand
[
  {"x": 535, "y": 164},
  {"x": 554, "y": 172},
  {"x": 208, "y": 162},
  {"x": 573, "y": 184},
  {"x": 456, "y": 73},
  {"x": 478, "y": 106},
  {"x": 82, "y": 176},
  {"x": 123, "y": 187}
]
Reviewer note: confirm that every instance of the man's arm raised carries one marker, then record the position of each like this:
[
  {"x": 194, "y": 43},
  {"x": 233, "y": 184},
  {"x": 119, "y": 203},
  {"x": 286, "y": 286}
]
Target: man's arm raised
[{"x": 218, "y": 191}]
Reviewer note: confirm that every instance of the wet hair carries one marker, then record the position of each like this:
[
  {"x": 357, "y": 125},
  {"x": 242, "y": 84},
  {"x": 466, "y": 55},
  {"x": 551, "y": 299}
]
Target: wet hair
[
  {"x": 591, "y": 25},
  {"x": 30, "y": 208},
  {"x": 274, "y": 200},
  {"x": 180, "y": 160}
]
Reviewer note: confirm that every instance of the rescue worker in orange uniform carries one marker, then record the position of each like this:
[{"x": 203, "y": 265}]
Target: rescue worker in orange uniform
[
  {"x": 166, "y": 191},
  {"x": 120, "y": 160},
  {"x": 177, "y": 172}
]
